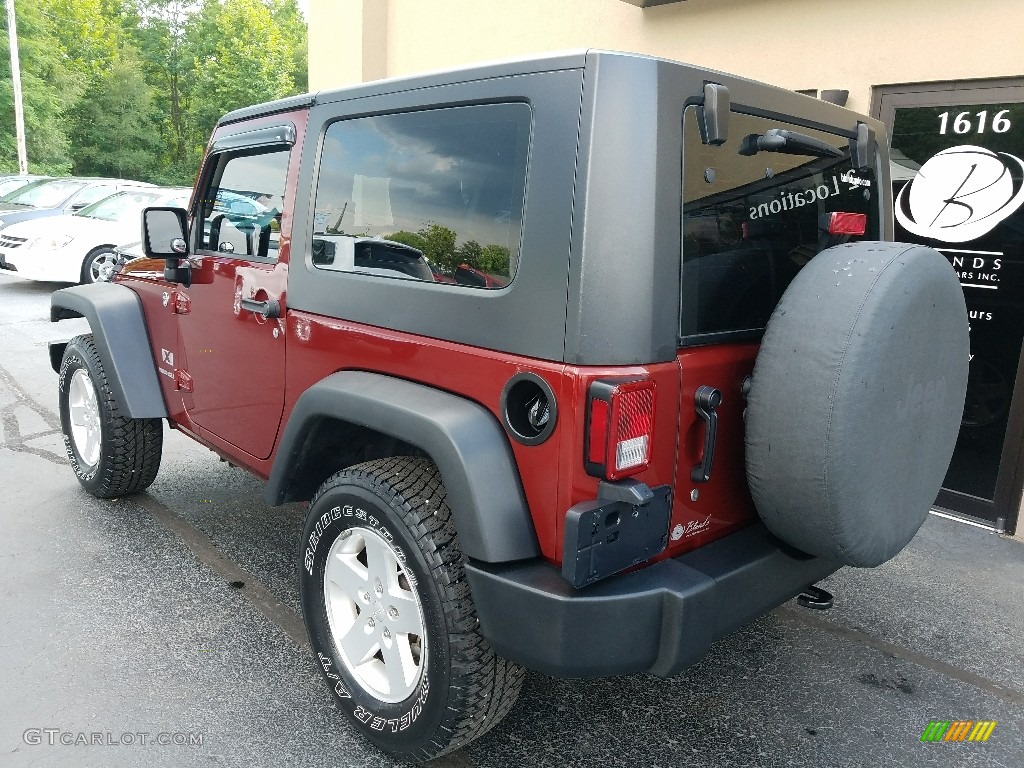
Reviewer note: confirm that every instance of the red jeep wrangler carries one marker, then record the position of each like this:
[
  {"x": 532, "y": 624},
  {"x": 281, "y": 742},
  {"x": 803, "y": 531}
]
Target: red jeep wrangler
[{"x": 581, "y": 363}]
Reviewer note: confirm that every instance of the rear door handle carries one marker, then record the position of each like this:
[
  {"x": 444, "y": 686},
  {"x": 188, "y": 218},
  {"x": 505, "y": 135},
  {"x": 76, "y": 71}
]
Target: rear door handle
[
  {"x": 705, "y": 400},
  {"x": 268, "y": 309}
]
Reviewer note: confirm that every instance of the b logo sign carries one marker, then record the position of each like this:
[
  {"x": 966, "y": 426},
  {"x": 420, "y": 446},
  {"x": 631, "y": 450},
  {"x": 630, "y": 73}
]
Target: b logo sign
[{"x": 961, "y": 194}]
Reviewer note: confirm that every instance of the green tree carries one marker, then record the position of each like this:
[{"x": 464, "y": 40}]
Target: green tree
[
  {"x": 469, "y": 253},
  {"x": 136, "y": 86},
  {"x": 292, "y": 25},
  {"x": 439, "y": 246},
  {"x": 162, "y": 35},
  {"x": 89, "y": 33},
  {"x": 495, "y": 260},
  {"x": 50, "y": 88},
  {"x": 240, "y": 57},
  {"x": 115, "y": 128},
  {"x": 434, "y": 241},
  {"x": 412, "y": 239}
]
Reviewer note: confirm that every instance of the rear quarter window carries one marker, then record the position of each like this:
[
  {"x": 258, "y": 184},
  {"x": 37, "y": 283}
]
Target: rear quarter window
[
  {"x": 751, "y": 222},
  {"x": 435, "y": 195}
]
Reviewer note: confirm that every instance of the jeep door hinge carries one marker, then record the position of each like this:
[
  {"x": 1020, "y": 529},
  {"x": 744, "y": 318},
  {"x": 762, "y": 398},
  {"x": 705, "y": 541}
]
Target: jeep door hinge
[{"x": 182, "y": 380}]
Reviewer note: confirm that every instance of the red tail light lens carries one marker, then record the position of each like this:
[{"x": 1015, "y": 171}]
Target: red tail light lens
[{"x": 620, "y": 428}]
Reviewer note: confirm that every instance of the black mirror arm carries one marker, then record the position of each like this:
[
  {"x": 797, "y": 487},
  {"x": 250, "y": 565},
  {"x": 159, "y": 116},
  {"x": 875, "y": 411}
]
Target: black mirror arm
[{"x": 178, "y": 271}]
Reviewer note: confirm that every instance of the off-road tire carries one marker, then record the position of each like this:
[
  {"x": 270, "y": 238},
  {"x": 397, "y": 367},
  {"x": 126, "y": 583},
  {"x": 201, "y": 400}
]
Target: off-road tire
[
  {"x": 463, "y": 688},
  {"x": 129, "y": 449}
]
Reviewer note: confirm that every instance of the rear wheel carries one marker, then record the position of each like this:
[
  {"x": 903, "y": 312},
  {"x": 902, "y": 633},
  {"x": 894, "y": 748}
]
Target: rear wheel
[
  {"x": 112, "y": 454},
  {"x": 99, "y": 265},
  {"x": 389, "y": 614}
]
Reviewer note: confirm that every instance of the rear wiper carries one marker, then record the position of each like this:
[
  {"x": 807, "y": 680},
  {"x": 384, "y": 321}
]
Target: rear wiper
[{"x": 788, "y": 143}]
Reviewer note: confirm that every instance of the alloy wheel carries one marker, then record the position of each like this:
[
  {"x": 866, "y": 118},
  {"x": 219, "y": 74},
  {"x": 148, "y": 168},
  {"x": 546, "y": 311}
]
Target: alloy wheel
[{"x": 375, "y": 615}]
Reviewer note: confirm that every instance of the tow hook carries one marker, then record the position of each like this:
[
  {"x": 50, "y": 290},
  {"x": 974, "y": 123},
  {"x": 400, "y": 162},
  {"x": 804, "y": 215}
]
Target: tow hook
[{"x": 815, "y": 598}]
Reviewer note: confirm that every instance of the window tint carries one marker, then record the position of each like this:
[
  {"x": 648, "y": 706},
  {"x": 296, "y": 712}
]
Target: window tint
[
  {"x": 434, "y": 195},
  {"x": 751, "y": 221},
  {"x": 240, "y": 209}
]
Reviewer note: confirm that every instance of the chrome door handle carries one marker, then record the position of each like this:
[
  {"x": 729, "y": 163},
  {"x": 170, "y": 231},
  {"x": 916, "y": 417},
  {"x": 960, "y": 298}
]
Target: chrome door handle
[{"x": 266, "y": 309}]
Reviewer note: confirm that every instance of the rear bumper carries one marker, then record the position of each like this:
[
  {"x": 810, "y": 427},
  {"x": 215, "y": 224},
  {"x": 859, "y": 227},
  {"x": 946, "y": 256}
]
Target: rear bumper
[{"x": 660, "y": 619}]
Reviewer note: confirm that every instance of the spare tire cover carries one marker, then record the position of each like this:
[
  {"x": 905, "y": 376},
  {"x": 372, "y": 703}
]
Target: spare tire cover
[{"x": 856, "y": 400}]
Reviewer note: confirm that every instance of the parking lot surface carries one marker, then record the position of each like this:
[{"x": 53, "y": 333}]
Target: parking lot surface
[{"x": 164, "y": 630}]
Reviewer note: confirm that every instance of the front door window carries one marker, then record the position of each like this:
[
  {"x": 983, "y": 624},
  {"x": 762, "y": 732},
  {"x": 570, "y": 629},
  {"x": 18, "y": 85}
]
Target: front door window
[{"x": 241, "y": 210}]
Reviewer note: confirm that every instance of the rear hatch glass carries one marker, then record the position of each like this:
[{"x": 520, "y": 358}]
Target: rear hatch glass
[{"x": 754, "y": 215}]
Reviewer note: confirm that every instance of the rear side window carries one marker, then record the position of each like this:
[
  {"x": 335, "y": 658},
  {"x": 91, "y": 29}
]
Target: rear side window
[
  {"x": 435, "y": 195},
  {"x": 752, "y": 220}
]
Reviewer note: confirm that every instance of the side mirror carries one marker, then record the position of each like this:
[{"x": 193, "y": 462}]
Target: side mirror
[
  {"x": 164, "y": 233},
  {"x": 164, "y": 236}
]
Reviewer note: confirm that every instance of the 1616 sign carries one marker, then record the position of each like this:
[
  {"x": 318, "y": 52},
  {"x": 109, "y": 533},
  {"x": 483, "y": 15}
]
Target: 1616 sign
[{"x": 965, "y": 122}]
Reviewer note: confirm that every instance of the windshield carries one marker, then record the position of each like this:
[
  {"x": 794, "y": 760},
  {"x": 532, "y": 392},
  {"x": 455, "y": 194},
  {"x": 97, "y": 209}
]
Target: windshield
[
  {"x": 9, "y": 185},
  {"x": 44, "y": 194},
  {"x": 119, "y": 206}
]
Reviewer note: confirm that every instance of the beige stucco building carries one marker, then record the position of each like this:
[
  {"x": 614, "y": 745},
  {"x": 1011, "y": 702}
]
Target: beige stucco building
[
  {"x": 798, "y": 44},
  {"x": 946, "y": 76}
]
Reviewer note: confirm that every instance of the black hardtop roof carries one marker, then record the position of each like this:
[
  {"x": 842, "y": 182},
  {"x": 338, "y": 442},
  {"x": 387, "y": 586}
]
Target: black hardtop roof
[
  {"x": 505, "y": 68},
  {"x": 787, "y": 101}
]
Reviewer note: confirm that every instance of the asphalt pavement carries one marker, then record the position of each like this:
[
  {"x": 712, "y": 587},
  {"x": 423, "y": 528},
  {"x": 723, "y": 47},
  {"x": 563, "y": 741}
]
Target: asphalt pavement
[{"x": 163, "y": 630}]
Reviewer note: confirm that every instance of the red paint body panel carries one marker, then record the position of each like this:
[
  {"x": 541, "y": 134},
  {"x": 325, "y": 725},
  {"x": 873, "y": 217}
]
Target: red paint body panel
[
  {"x": 221, "y": 342},
  {"x": 723, "y": 503},
  {"x": 553, "y": 474},
  {"x": 236, "y": 362},
  {"x": 319, "y": 346}
]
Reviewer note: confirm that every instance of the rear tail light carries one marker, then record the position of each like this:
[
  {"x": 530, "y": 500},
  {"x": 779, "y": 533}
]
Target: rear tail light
[
  {"x": 838, "y": 223},
  {"x": 620, "y": 428}
]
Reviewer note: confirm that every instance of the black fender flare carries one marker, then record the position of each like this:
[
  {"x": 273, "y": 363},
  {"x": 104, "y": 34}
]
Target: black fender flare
[
  {"x": 462, "y": 438},
  {"x": 119, "y": 330}
]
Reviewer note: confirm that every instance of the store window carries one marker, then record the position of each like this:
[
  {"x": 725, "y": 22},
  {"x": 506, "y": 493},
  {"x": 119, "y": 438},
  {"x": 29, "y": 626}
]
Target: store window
[{"x": 957, "y": 163}]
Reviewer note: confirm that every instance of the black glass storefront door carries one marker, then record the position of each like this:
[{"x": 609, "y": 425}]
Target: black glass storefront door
[{"x": 957, "y": 165}]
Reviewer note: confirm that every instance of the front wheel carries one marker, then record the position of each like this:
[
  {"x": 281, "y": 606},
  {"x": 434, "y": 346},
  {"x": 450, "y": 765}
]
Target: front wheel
[
  {"x": 389, "y": 615},
  {"x": 112, "y": 454}
]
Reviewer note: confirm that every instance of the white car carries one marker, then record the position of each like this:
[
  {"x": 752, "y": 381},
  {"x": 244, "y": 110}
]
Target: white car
[{"x": 79, "y": 248}]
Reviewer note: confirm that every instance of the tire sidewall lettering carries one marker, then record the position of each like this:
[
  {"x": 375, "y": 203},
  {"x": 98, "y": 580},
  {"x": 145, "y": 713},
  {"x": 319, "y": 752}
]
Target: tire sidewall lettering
[
  {"x": 71, "y": 363},
  {"x": 350, "y": 513}
]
